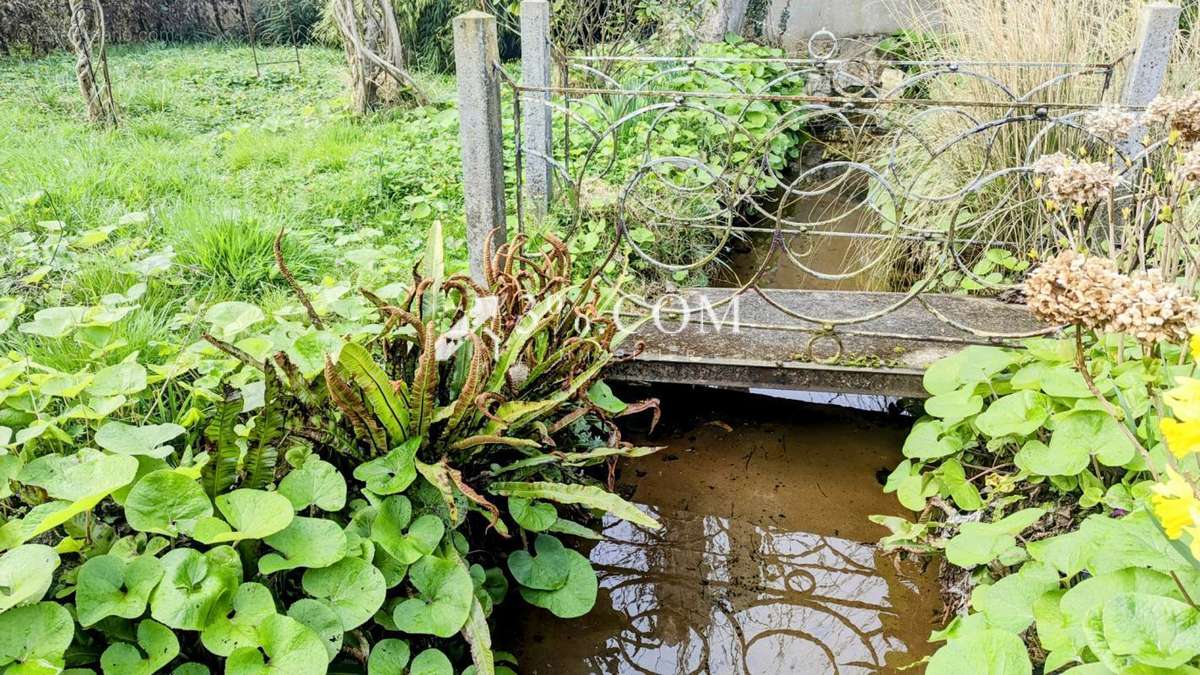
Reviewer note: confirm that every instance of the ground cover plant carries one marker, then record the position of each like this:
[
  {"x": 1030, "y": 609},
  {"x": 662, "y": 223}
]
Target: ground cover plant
[
  {"x": 350, "y": 478},
  {"x": 1059, "y": 480}
]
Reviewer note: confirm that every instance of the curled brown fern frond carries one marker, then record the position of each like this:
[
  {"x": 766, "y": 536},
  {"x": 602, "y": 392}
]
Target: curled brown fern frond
[{"x": 313, "y": 317}]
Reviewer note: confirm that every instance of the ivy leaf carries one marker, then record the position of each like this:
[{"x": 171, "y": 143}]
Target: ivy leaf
[
  {"x": 26, "y": 573},
  {"x": 291, "y": 648},
  {"x": 321, "y": 620},
  {"x": 253, "y": 514},
  {"x": 431, "y": 662},
  {"x": 194, "y": 585},
  {"x": 1090, "y": 595},
  {"x": 388, "y": 657},
  {"x": 392, "y": 473},
  {"x": 981, "y": 543},
  {"x": 548, "y": 571},
  {"x": 576, "y": 597},
  {"x": 352, "y": 587},
  {"x": 306, "y": 542},
  {"x": 407, "y": 547},
  {"x": 955, "y": 406},
  {"x": 926, "y": 440},
  {"x": 108, "y": 585},
  {"x": 165, "y": 501},
  {"x": 533, "y": 516},
  {"x": 237, "y": 626},
  {"x": 155, "y": 640},
  {"x": 316, "y": 482},
  {"x": 149, "y": 440},
  {"x": 36, "y": 635},
  {"x": 445, "y": 602},
  {"x": 587, "y": 495},
  {"x": 982, "y": 652}
]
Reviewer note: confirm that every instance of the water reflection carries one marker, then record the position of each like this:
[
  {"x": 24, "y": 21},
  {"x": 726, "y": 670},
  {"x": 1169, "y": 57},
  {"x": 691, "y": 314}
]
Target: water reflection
[
  {"x": 762, "y": 565},
  {"x": 707, "y": 594}
]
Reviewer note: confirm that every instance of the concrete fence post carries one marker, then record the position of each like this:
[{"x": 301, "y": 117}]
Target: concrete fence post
[
  {"x": 476, "y": 56},
  {"x": 535, "y": 72},
  {"x": 1153, "y": 42}
]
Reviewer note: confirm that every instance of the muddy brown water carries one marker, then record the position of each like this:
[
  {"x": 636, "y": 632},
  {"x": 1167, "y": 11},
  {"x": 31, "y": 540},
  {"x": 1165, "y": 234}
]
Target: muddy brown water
[
  {"x": 832, "y": 250},
  {"x": 765, "y": 562}
]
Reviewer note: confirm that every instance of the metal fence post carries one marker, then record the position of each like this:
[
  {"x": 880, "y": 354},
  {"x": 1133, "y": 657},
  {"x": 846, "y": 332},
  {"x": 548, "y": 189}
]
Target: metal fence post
[
  {"x": 535, "y": 72},
  {"x": 1153, "y": 42},
  {"x": 476, "y": 56}
]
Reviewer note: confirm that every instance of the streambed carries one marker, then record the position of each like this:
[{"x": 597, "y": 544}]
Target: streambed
[{"x": 765, "y": 562}]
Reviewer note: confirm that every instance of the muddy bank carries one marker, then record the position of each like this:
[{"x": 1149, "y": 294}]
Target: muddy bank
[{"x": 765, "y": 562}]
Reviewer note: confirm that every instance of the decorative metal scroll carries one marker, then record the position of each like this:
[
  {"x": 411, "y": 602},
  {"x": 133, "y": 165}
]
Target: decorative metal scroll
[{"x": 825, "y": 173}]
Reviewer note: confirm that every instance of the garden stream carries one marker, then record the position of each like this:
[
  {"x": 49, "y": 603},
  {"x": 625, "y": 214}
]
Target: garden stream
[{"x": 765, "y": 562}]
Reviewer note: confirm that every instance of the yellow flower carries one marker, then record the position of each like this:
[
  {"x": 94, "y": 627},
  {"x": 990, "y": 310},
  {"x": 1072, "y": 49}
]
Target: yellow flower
[
  {"x": 1183, "y": 438},
  {"x": 1195, "y": 345},
  {"x": 1173, "y": 503},
  {"x": 1184, "y": 399}
]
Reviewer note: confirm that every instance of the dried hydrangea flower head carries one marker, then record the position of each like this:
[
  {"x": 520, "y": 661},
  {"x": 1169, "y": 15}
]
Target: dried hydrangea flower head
[
  {"x": 1072, "y": 288},
  {"x": 1180, "y": 114},
  {"x": 1072, "y": 181},
  {"x": 1189, "y": 165},
  {"x": 1110, "y": 123},
  {"x": 1152, "y": 309}
]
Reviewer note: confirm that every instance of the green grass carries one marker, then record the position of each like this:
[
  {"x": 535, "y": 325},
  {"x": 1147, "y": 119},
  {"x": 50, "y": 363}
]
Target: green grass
[{"x": 218, "y": 160}]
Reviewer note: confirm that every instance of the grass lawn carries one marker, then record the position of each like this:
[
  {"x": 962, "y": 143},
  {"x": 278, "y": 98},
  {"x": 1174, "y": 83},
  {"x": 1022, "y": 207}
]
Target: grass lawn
[{"x": 208, "y": 163}]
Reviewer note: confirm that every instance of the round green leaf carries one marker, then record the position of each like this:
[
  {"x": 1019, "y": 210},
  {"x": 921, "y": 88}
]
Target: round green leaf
[
  {"x": 321, "y": 620},
  {"x": 228, "y": 319},
  {"x": 307, "y": 542},
  {"x": 1018, "y": 414},
  {"x": 126, "y": 439},
  {"x": 26, "y": 573},
  {"x": 316, "y": 482},
  {"x": 548, "y": 571},
  {"x": 33, "y": 633},
  {"x": 392, "y": 473},
  {"x": 984, "y": 652},
  {"x": 108, "y": 585},
  {"x": 166, "y": 501},
  {"x": 406, "y": 547},
  {"x": 1088, "y": 431},
  {"x": 291, "y": 648},
  {"x": 576, "y": 597},
  {"x": 388, "y": 657},
  {"x": 532, "y": 515},
  {"x": 123, "y": 379},
  {"x": 237, "y": 626},
  {"x": 191, "y": 668},
  {"x": 155, "y": 640},
  {"x": 431, "y": 662},
  {"x": 446, "y": 595},
  {"x": 253, "y": 514},
  {"x": 79, "y": 476},
  {"x": 194, "y": 585},
  {"x": 352, "y": 587},
  {"x": 1040, "y": 459}
]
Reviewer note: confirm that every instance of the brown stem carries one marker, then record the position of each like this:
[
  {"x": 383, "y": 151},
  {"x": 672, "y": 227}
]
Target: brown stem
[
  {"x": 287, "y": 274},
  {"x": 1081, "y": 366}
]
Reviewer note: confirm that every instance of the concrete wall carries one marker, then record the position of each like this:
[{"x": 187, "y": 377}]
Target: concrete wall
[{"x": 789, "y": 23}]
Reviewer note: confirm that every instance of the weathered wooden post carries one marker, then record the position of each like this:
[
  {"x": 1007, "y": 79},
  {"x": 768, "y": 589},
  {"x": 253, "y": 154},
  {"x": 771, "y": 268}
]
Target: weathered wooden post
[
  {"x": 1153, "y": 42},
  {"x": 536, "y": 132},
  {"x": 476, "y": 56}
]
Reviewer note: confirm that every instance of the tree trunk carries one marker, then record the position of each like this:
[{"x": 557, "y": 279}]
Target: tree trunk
[{"x": 83, "y": 27}]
